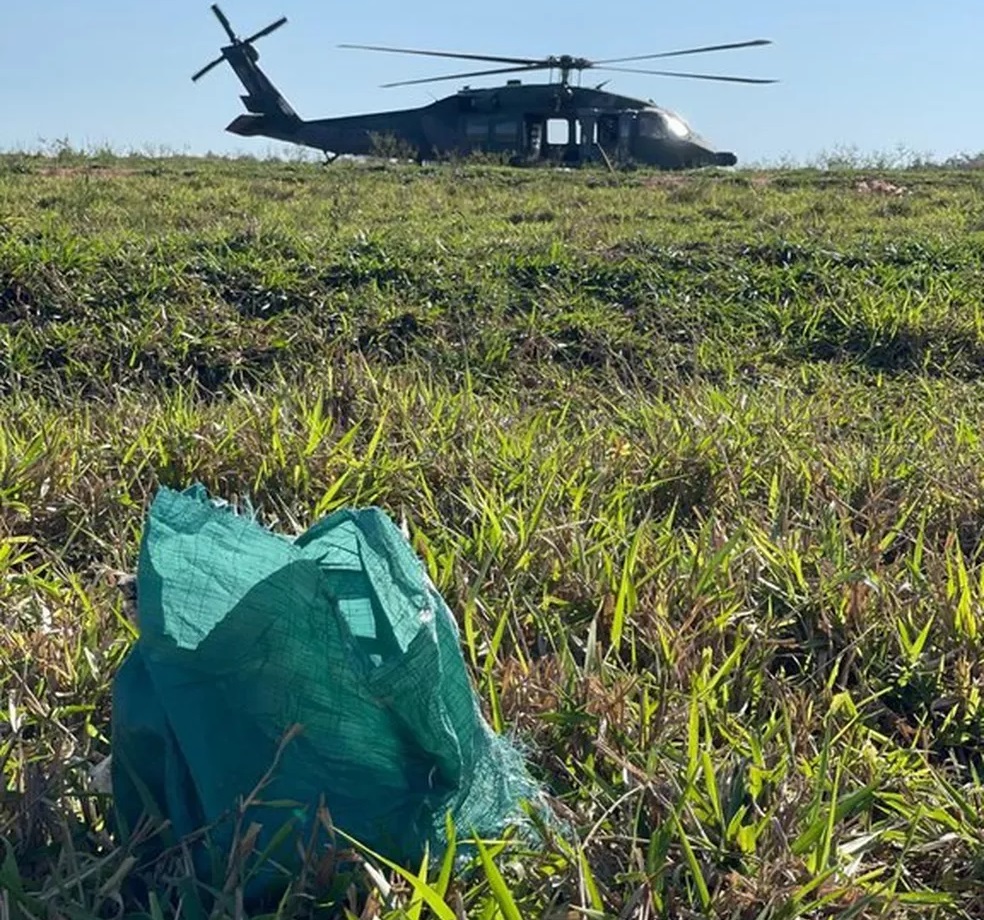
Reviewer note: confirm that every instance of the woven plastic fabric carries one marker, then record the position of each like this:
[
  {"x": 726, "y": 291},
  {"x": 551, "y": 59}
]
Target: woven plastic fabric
[{"x": 245, "y": 633}]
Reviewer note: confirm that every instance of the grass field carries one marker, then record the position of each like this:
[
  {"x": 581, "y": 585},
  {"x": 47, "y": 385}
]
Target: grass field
[{"x": 697, "y": 462}]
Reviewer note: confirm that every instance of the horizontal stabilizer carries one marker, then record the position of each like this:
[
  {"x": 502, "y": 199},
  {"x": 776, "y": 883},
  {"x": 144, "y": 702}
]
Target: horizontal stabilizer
[{"x": 248, "y": 125}]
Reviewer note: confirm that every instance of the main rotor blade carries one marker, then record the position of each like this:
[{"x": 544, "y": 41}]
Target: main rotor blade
[
  {"x": 647, "y": 57},
  {"x": 270, "y": 28},
  {"x": 448, "y": 54},
  {"x": 474, "y": 73},
  {"x": 225, "y": 22},
  {"x": 689, "y": 76},
  {"x": 201, "y": 73}
]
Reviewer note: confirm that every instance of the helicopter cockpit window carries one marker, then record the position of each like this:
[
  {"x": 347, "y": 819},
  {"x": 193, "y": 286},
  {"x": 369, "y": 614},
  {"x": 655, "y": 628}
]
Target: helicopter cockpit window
[{"x": 652, "y": 124}]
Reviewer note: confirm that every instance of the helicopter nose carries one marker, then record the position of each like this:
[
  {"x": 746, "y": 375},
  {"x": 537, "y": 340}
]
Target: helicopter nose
[{"x": 725, "y": 158}]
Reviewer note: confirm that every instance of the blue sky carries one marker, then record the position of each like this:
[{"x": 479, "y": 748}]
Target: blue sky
[{"x": 873, "y": 75}]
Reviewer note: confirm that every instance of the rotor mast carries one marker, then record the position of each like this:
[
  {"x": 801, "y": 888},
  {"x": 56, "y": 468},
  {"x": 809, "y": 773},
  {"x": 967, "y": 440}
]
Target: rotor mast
[{"x": 567, "y": 64}]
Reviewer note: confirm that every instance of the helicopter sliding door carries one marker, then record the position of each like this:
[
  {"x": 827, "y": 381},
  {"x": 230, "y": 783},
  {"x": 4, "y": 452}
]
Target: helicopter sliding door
[
  {"x": 560, "y": 138},
  {"x": 590, "y": 135},
  {"x": 550, "y": 138},
  {"x": 605, "y": 135}
]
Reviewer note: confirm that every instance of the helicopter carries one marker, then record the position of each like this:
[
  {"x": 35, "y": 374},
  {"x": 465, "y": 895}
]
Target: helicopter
[{"x": 558, "y": 121}]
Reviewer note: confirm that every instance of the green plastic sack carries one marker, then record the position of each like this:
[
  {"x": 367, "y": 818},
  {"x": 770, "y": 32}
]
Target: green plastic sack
[{"x": 245, "y": 633}]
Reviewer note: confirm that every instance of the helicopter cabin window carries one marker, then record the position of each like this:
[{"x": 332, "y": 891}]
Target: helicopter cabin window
[
  {"x": 476, "y": 129},
  {"x": 505, "y": 131},
  {"x": 558, "y": 131}
]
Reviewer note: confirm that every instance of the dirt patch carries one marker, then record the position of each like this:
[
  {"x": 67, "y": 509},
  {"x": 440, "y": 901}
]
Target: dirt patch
[{"x": 880, "y": 187}]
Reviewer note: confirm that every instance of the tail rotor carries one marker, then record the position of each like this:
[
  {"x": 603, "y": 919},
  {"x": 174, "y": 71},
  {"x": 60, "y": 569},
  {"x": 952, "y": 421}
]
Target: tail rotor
[
  {"x": 225, "y": 22},
  {"x": 235, "y": 42}
]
